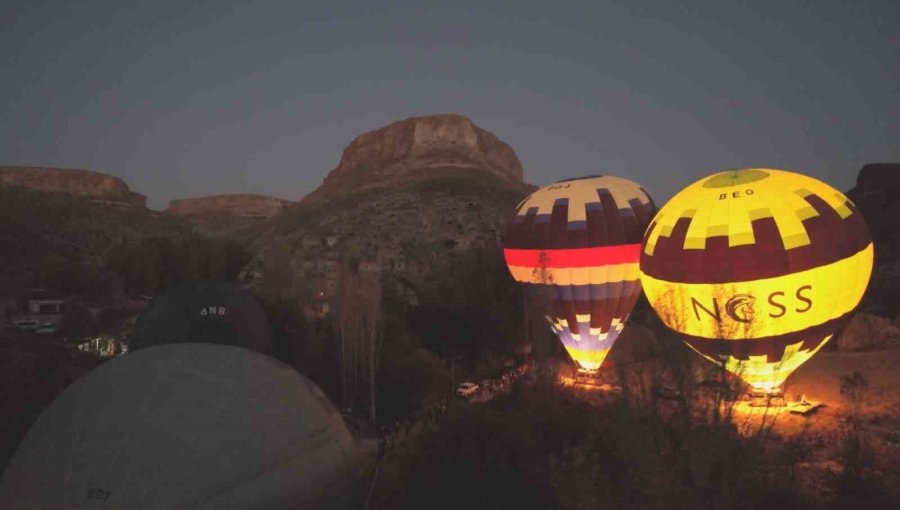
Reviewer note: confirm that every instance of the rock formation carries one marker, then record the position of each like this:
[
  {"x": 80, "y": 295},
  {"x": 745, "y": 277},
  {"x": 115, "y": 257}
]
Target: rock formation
[
  {"x": 412, "y": 146},
  {"x": 56, "y": 227},
  {"x": 226, "y": 214},
  {"x": 875, "y": 194},
  {"x": 410, "y": 200},
  {"x": 876, "y": 191},
  {"x": 95, "y": 186},
  {"x": 867, "y": 331},
  {"x": 246, "y": 205}
]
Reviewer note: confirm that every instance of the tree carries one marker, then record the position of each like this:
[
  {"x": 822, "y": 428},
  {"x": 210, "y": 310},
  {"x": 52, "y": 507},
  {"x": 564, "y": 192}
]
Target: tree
[
  {"x": 359, "y": 323},
  {"x": 279, "y": 277},
  {"x": 57, "y": 272}
]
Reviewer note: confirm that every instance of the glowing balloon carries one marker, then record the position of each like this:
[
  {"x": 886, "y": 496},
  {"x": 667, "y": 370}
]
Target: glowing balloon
[
  {"x": 757, "y": 269},
  {"x": 578, "y": 242}
]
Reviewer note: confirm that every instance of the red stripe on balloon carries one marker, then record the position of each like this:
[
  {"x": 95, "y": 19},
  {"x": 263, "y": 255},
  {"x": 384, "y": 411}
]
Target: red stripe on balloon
[{"x": 576, "y": 257}]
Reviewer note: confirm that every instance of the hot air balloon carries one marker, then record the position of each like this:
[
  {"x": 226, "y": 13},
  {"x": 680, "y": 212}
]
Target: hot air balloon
[
  {"x": 203, "y": 312},
  {"x": 756, "y": 269},
  {"x": 189, "y": 426},
  {"x": 577, "y": 242}
]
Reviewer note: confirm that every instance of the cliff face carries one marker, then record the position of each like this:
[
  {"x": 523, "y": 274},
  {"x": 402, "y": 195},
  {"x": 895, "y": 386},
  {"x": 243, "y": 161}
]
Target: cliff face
[
  {"x": 95, "y": 186},
  {"x": 412, "y": 200},
  {"x": 246, "y": 205},
  {"x": 875, "y": 194},
  {"x": 409, "y": 147},
  {"x": 226, "y": 215}
]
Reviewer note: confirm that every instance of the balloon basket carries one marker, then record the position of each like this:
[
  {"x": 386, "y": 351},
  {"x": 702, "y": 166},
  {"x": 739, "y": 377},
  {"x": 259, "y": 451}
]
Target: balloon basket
[
  {"x": 588, "y": 377},
  {"x": 766, "y": 398},
  {"x": 589, "y": 380},
  {"x": 598, "y": 386},
  {"x": 775, "y": 398}
]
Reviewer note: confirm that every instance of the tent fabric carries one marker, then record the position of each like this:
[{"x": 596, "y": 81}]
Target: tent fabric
[
  {"x": 203, "y": 312},
  {"x": 194, "y": 426}
]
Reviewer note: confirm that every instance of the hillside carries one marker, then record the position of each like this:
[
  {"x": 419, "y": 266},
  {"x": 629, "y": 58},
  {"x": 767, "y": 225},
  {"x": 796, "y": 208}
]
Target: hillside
[
  {"x": 415, "y": 211},
  {"x": 92, "y": 186},
  {"x": 48, "y": 235},
  {"x": 424, "y": 217},
  {"x": 75, "y": 232}
]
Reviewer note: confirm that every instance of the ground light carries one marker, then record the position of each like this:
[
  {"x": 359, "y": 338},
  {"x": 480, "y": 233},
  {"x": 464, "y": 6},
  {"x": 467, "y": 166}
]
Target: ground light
[
  {"x": 761, "y": 405},
  {"x": 752, "y": 419},
  {"x": 774, "y": 397},
  {"x": 588, "y": 379},
  {"x": 591, "y": 385}
]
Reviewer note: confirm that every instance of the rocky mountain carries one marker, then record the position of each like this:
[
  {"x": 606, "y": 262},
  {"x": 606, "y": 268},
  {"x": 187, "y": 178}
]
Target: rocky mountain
[
  {"x": 875, "y": 194},
  {"x": 92, "y": 186},
  {"x": 876, "y": 191},
  {"x": 410, "y": 148},
  {"x": 226, "y": 214},
  {"x": 58, "y": 224},
  {"x": 868, "y": 332},
  {"x": 413, "y": 200}
]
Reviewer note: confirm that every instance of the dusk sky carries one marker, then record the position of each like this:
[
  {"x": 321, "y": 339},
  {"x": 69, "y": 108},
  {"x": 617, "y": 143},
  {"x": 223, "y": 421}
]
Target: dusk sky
[{"x": 262, "y": 97}]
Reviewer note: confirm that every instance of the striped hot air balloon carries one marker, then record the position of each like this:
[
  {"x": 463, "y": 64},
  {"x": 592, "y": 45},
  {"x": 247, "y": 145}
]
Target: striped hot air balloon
[
  {"x": 757, "y": 269},
  {"x": 577, "y": 242}
]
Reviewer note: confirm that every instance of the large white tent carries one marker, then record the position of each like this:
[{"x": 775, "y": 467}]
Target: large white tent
[{"x": 187, "y": 426}]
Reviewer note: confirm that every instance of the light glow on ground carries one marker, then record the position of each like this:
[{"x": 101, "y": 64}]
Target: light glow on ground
[{"x": 573, "y": 382}]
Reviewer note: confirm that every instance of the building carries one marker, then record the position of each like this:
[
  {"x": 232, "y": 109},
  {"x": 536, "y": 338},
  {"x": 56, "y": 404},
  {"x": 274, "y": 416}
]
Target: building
[
  {"x": 46, "y": 306},
  {"x": 43, "y": 315}
]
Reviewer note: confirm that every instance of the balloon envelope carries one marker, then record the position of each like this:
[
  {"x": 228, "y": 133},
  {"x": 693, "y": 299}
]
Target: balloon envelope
[
  {"x": 203, "y": 312},
  {"x": 757, "y": 269},
  {"x": 186, "y": 426},
  {"x": 577, "y": 242}
]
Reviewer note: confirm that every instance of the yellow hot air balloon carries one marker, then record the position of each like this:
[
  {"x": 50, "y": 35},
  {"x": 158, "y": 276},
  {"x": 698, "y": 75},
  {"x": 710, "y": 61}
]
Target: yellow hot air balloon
[{"x": 757, "y": 269}]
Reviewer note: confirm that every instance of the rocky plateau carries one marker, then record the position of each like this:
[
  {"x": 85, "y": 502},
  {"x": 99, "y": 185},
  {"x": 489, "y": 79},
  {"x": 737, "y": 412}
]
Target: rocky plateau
[
  {"x": 94, "y": 186},
  {"x": 226, "y": 214}
]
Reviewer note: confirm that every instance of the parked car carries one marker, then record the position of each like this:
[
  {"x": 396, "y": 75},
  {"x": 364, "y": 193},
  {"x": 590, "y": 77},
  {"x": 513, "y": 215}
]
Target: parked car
[
  {"x": 26, "y": 324},
  {"x": 466, "y": 389}
]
